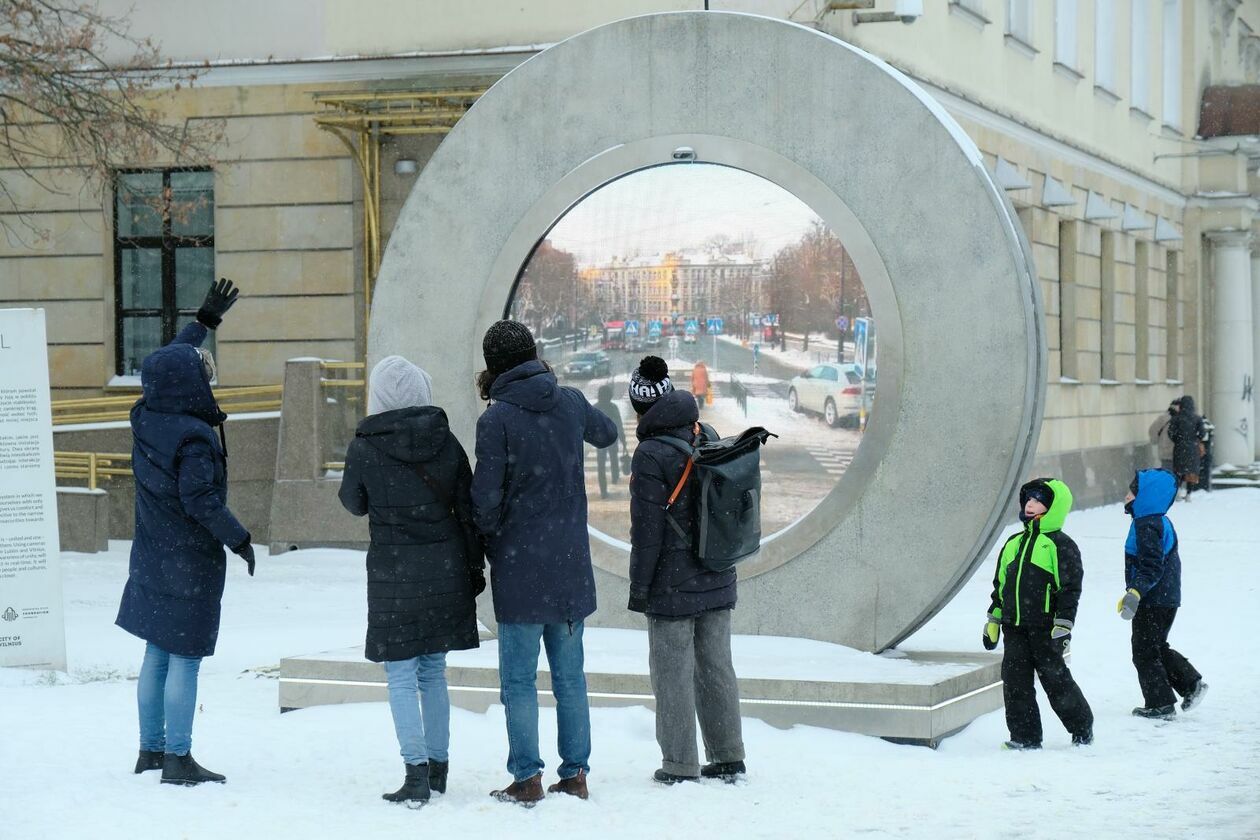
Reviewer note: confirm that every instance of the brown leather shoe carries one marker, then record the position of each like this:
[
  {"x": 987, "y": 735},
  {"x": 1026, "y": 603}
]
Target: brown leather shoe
[
  {"x": 527, "y": 793},
  {"x": 575, "y": 786}
]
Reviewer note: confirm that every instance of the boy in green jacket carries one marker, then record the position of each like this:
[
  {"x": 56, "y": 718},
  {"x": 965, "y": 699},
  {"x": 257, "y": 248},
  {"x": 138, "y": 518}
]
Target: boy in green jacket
[{"x": 1035, "y": 592}]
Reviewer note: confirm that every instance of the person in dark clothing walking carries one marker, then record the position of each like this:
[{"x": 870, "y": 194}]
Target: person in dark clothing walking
[
  {"x": 610, "y": 454},
  {"x": 174, "y": 588},
  {"x": 409, "y": 475},
  {"x": 688, "y": 607},
  {"x": 1186, "y": 433},
  {"x": 1152, "y": 573},
  {"x": 1036, "y": 590},
  {"x": 1159, "y": 435},
  {"x": 529, "y": 499}
]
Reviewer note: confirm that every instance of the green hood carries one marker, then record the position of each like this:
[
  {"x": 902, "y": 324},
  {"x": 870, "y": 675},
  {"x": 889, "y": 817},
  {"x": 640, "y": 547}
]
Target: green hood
[{"x": 1056, "y": 516}]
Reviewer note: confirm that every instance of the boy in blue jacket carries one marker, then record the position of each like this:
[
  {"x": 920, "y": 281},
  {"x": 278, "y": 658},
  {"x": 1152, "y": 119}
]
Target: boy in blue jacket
[{"x": 1152, "y": 572}]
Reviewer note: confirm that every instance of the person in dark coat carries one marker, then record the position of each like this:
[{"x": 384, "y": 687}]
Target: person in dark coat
[
  {"x": 409, "y": 475},
  {"x": 610, "y": 455},
  {"x": 1186, "y": 432},
  {"x": 688, "y": 607},
  {"x": 1152, "y": 573},
  {"x": 529, "y": 497},
  {"x": 175, "y": 584}
]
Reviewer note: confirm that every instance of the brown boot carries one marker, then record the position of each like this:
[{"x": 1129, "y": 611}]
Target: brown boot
[
  {"x": 575, "y": 786},
  {"x": 527, "y": 793}
]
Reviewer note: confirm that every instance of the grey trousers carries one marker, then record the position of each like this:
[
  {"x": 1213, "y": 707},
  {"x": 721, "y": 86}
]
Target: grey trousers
[{"x": 692, "y": 675}]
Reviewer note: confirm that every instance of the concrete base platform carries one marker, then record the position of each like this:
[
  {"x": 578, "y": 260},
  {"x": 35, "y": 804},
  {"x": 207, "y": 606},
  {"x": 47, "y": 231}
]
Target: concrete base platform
[{"x": 915, "y": 697}]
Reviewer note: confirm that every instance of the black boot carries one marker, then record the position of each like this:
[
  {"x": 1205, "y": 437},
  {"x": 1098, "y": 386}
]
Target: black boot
[
  {"x": 1156, "y": 712},
  {"x": 415, "y": 787},
  {"x": 1083, "y": 739},
  {"x": 728, "y": 771},
  {"x": 664, "y": 778},
  {"x": 1021, "y": 745},
  {"x": 437, "y": 775},
  {"x": 1195, "y": 697},
  {"x": 184, "y": 770},
  {"x": 149, "y": 760}
]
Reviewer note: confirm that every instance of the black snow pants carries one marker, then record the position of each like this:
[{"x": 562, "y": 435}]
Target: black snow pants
[
  {"x": 1161, "y": 670},
  {"x": 1031, "y": 649}
]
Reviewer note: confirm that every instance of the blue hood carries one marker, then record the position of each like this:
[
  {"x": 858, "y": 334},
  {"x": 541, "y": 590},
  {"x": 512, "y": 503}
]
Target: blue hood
[
  {"x": 1156, "y": 490},
  {"x": 175, "y": 383},
  {"x": 529, "y": 385}
]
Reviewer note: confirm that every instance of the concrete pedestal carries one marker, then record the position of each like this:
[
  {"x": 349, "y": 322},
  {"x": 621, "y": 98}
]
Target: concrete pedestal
[{"x": 913, "y": 697}]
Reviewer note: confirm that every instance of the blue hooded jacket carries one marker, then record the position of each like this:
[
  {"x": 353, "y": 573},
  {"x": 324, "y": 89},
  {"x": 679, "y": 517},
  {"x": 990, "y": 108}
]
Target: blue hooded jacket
[
  {"x": 175, "y": 586},
  {"x": 529, "y": 496},
  {"x": 1152, "y": 564}
]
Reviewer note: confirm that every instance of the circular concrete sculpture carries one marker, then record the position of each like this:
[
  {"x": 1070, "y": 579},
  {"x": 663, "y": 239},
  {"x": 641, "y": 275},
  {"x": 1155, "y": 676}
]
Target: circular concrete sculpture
[{"x": 947, "y": 271}]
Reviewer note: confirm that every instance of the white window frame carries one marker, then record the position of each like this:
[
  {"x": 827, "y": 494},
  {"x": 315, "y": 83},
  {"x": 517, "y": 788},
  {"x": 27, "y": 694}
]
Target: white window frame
[
  {"x": 1140, "y": 57},
  {"x": 1019, "y": 22},
  {"x": 1171, "y": 64},
  {"x": 1105, "y": 43},
  {"x": 1066, "y": 35}
]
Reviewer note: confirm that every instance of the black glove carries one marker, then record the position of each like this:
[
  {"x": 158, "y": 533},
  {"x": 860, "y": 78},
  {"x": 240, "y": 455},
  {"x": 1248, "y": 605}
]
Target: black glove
[
  {"x": 638, "y": 599},
  {"x": 218, "y": 301},
  {"x": 246, "y": 552},
  {"x": 478, "y": 578}
]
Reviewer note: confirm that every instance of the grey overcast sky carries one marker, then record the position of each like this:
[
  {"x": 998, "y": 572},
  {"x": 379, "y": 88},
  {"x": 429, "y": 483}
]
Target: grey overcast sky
[{"x": 679, "y": 206}]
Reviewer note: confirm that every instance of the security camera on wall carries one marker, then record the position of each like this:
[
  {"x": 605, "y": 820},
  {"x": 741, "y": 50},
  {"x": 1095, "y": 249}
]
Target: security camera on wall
[{"x": 909, "y": 10}]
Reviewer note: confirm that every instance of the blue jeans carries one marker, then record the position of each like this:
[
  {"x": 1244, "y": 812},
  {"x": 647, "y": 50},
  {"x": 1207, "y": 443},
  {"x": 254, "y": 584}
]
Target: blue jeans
[
  {"x": 167, "y": 697},
  {"x": 418, "y": 742},
  {"x": 518, "y": 672}
]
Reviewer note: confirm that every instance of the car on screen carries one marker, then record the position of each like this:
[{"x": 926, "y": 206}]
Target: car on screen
[
  {"x": 831, "y": 390},
  {"x": 588, "y": 365}
]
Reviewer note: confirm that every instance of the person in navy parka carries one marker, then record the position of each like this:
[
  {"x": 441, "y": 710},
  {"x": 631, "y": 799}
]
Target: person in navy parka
[
  {"x": 1152, "y": 573},
  {"x": 173, "y": 592}
]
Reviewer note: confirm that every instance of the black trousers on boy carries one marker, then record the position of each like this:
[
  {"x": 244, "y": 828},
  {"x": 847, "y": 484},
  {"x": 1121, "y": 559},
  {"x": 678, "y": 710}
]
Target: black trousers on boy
[
  {"x": 1161, "y": 670},
  {"x": 1028, "y": 651}
]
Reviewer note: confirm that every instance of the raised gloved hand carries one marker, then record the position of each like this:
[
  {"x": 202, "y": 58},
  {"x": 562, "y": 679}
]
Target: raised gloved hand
[
  {"x": 478, "y": 578},
  {"x": 1061, "y": 635},
  {"x": 991, "y": 631},
  {"x": 638, "y": 599},
  {"x": 218, "y": 301},
  {"x": 1129, "y": 604},
  {"x": 246, "y": 552}
]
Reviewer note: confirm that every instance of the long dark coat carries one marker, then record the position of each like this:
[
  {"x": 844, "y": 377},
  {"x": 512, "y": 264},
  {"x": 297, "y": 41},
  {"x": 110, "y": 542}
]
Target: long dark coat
[
  {"x": 1185, "y": 430},
  {"x": 178, "y": 565},
  {"x": 663, "y": 563},
  {"x": 425, "y": 562},
  {"x": 529, "y": 494}
]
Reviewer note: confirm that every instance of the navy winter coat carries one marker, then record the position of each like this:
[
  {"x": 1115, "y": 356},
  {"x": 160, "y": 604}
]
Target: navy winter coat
[
  {"x": 1152, "y": 563},
  {"x": 408, "y": 473},
  {"x": 178, "y": 564},
  {"x": 529, "y": 496},
  {"x": 663, "y": 564}
]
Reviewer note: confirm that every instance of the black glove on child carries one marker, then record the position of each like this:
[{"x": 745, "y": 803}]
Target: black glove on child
[
  {"x": 246, "y": 552},
  {"x": 218, "y": 301}
]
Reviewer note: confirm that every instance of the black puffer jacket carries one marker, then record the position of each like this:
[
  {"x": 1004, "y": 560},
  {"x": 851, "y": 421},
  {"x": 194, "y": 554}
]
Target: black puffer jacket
[
  {"x": 425, "y": 564},
  {"x": 663, "y": 564},
  {"x": 1185, "y": 430}
]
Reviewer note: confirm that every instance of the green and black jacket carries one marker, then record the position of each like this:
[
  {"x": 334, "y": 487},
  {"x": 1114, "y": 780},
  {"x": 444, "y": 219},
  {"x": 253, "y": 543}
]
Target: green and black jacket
[{"x": 1039, "y": 571}]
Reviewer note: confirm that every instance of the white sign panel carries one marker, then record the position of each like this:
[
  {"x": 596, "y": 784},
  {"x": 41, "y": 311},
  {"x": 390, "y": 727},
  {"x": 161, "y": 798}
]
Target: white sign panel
[{"x": 32, "y": 625}]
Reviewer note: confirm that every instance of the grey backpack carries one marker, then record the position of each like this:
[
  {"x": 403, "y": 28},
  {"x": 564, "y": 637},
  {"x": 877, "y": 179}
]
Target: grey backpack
[{"x": 727, "y": 526}]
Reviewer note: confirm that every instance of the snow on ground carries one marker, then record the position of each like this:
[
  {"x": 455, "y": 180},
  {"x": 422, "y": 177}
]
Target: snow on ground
[{"x": 67, "y": 742}]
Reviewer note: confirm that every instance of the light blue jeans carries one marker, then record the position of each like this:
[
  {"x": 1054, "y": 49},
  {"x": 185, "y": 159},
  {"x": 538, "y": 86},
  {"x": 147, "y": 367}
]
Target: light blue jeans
[
  {"x": 518, "y": 673},
  {"x": 419, "y": 741},
  {"x": 167, "y": 697}
]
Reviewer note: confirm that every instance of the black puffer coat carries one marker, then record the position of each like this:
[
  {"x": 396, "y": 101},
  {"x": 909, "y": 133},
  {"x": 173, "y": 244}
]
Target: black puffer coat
[
  {"x": 1185, "y": 430},
  {"x": 425, "y": 564},
  {"x": 663, "y": 564}
]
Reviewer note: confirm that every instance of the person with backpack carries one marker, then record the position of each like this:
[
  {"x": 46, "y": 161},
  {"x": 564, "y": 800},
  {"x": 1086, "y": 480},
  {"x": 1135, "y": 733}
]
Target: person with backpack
[
  {"x": 688, "y": 606},
  {"x": 174, "y": 592},
  {"x": 529, "y": 499},
  {"x": 409, "y": 475},
  {"x": 1186, "y": 433}
]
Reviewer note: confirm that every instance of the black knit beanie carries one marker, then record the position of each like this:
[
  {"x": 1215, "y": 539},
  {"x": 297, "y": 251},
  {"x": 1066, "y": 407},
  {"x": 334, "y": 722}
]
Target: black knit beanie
[
  {"x": 649, "y": 383},
  {"x": 506, "y": 345}
]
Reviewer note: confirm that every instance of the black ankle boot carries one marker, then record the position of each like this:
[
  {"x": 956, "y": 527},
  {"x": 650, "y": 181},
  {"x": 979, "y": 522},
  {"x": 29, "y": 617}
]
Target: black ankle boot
[
  {"x": 437, "y": 775},
  {"x": 415, "y": 787},
  {"x": 728, "y": 771},
  {"x": 184, "y": 770},
  {"x": 149, "y": 760}
]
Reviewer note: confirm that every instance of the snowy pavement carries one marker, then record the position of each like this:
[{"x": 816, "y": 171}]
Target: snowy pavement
[{"x": 67, "y": 742}]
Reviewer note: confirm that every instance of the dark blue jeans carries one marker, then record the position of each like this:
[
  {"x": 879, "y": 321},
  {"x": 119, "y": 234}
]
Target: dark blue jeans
[{"x": 518, "y": 673}]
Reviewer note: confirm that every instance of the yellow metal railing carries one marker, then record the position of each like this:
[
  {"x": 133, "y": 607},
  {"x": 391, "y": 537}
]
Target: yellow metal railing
[
  {"x": 335, "y": 381},
  {"x": 110, "y": 409},
  {"x": 92, "y": 467}
]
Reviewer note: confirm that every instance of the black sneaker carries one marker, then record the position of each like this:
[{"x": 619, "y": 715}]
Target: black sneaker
[
  {"x": 661, "y": 777},
  {"x": 727, "y": 771},
  {"x": 149, "y": 760},
  {"x": 1195, "y": 697},
  {"x": 1084, "y": 739},
  {"x": 1021, "y": 745},
  {"x": 184, "y": 770},
  {"x": 1156, "y": 712}
]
